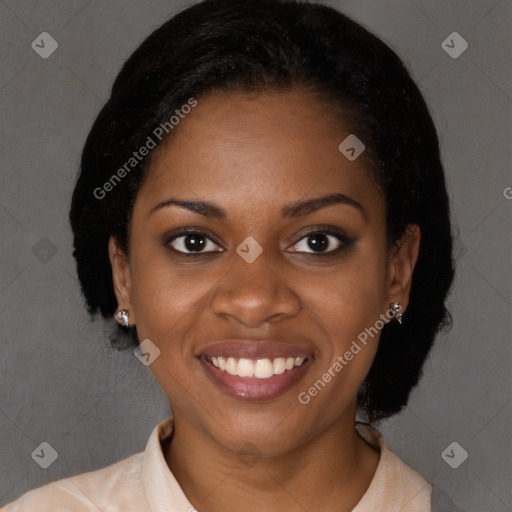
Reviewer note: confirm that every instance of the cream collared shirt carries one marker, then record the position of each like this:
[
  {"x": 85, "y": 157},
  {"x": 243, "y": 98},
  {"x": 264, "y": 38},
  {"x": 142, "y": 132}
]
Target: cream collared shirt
[{"x": 144, "y": 483}]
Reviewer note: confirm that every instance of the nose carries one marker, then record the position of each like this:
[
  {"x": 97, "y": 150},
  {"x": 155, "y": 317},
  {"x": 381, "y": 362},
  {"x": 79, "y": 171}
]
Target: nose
[{"x": 253, "y": 294}]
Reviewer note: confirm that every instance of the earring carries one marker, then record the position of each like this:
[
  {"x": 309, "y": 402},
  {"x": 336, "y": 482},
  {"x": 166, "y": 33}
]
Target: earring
[
  {"x": 395, "y": 308},
  {"x": 122, "y": 317}
]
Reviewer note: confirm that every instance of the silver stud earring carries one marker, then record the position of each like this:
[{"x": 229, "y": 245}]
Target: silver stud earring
[
  {"x": 122, "y": 317},
  {"x": 395, "y": 308}
]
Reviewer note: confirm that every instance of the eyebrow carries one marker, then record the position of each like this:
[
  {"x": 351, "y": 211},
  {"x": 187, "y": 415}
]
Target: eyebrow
[
  {"x": 298, "y": 208},
  {"x": 290, "y": 210}
]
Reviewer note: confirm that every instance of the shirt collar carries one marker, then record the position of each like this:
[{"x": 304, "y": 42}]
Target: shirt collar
[
  {"x": 164, "y": 494},
  {"x": 394, "y": 483}
]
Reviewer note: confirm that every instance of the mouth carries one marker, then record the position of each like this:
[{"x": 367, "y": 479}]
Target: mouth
[
  {"x": 255, "y": 370},
  {"x": 259, "y": 368}
]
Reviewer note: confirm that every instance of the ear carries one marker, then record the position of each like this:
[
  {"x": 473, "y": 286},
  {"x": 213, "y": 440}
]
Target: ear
[
  {"x": 401, "y": 266},
  {"x": 121, "y": 277}
]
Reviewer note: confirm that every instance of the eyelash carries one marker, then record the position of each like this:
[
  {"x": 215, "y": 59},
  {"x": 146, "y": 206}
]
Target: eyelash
[{"x": 345, "y": 242}]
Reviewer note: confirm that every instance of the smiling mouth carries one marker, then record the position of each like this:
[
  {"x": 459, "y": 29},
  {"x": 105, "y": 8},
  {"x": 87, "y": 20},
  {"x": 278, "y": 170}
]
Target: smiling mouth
[
  {"x": 264, "y": 368},
  {"x": 255, "y": 370},
  {"x": 255, "y": 379}
]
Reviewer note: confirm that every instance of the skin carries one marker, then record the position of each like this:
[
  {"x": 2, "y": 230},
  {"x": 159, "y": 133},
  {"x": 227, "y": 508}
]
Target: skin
[{"x": 251, "y": 154}]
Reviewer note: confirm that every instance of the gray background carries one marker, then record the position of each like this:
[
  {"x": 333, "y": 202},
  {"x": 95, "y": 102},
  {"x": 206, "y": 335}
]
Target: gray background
[{"x": 59, "y": 380}]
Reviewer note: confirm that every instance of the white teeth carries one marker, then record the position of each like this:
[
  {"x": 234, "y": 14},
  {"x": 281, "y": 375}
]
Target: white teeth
[
  {"x": 245, "y": 367},
  {"x": 263, "y": 369},
  {"x": 231, "y": 366},
  {"x": 279, "y": 365},
  {"x": 260, "y": 368}
]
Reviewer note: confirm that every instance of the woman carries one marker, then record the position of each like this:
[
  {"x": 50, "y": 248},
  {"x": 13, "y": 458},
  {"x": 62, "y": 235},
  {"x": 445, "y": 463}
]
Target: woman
[{"x": 262, "y": 207}]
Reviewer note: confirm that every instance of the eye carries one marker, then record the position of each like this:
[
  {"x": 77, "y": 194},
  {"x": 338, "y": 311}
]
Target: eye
[
  {"x": 321, "y": 242},
  {"x": 190, "y": 242}
]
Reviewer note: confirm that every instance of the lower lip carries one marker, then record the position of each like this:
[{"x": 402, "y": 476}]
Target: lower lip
[{"x": 252, "y": 388}]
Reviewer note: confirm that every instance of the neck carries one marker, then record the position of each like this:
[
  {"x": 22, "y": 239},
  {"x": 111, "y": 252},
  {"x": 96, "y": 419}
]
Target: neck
[{"x": 331, "y": 471}]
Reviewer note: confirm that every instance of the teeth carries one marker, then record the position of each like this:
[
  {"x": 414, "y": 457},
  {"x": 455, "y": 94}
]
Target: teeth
[
  {"x": 263, "y": 369},
  {"x": 245, "y": 368},
  {"x": 260, "y": 368},
  {"x": 279, "y": 365},
  {"x": 232, "y": 366}
]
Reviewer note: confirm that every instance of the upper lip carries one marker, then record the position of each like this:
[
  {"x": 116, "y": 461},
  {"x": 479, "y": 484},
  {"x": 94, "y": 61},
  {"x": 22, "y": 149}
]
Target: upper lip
[{"x": 252, "y": 349}]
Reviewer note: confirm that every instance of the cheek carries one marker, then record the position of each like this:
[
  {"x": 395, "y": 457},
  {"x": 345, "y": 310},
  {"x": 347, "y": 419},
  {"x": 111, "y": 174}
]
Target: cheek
[
  {"x": 165, "y": 298},
  {"x": 165, "y": 302},
  {"x": 351, "y": 297},
  {"x": 348, "y": 305}
]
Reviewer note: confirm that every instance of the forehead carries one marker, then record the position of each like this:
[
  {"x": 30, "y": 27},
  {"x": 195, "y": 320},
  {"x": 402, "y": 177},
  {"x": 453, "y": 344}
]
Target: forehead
[{"x": 257, "y": 148}]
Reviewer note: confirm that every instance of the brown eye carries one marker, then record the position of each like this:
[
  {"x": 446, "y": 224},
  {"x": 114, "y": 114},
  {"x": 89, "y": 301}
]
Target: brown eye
[
  {"x": 193, "y": 242},
  {"x": 321, "y": 242},
  {"x": 318, "y": 242}
]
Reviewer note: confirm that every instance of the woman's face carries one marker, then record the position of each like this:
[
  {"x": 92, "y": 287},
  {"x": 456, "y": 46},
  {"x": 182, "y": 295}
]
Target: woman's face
[{"x": 270, "y": 273}]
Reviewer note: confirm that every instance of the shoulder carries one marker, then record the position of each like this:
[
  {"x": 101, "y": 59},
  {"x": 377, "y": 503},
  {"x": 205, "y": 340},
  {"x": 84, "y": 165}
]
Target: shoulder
[
  {"x": 395, "y": 485},
  {"x": 115, "y": 487}
]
